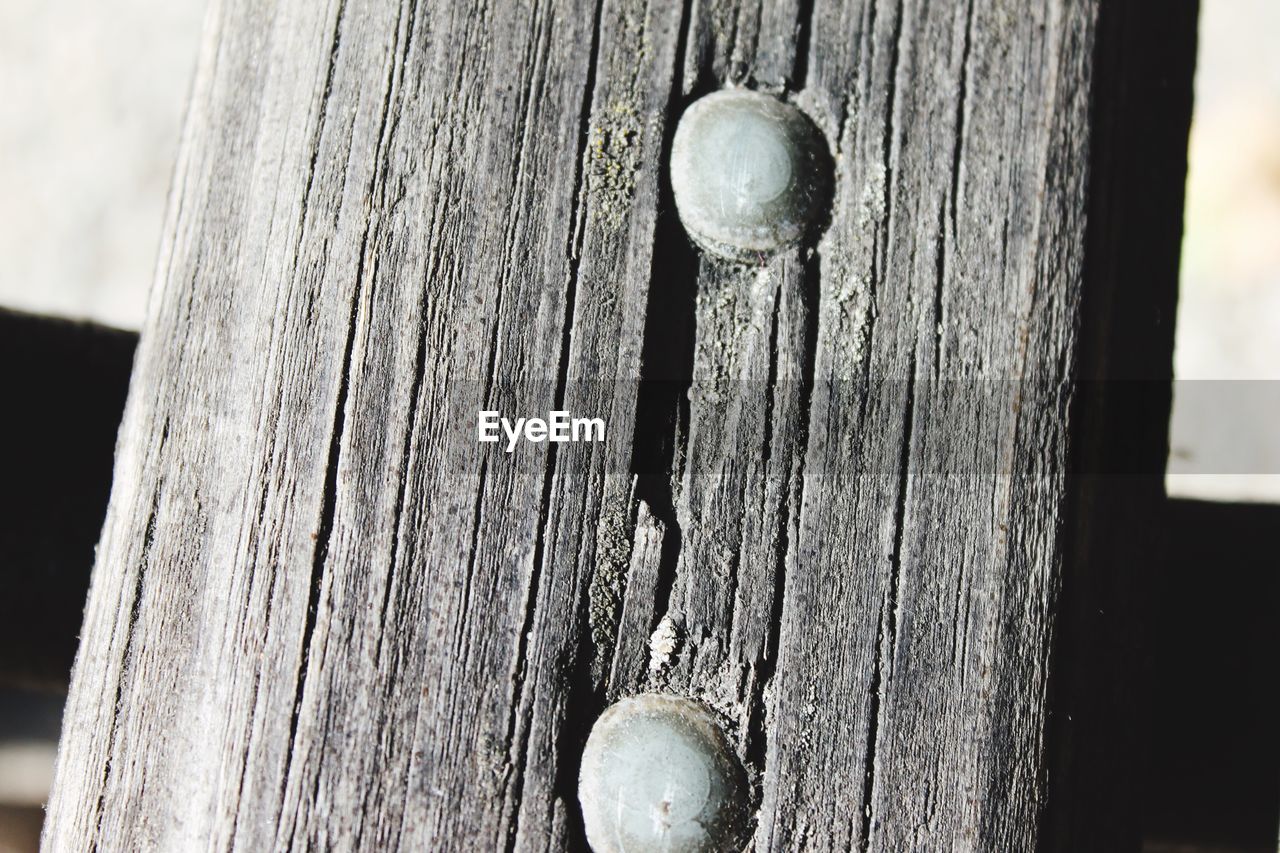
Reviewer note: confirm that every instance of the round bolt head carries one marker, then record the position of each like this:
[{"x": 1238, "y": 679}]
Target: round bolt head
[
  {"x": 751, "y": 174},
  {"x": 659, "y": 774}
]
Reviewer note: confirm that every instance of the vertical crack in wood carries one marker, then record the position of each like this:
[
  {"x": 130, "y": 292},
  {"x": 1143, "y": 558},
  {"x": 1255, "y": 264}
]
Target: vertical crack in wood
[
  {"x": 880, "y": 247},
  {"x": 716, "y": 51},
  {"x": 411, "y": 429},
  {"x": 939, "y": 288},
  {"x": 578, "y": 675},
  {"x": 324, "y": 531},
  {"x": 619, "y": 536},
  {"x": 879, "y": 264},
  {"x": 415, "y": 406},
  {"x": 735, "y": 12},
  {"x": 757, "y": 733},
  {"x": 321, "y": 121},
  {"x": 329, "y": 491},
  {"x": 405, "y": 31},
  {"x": 667, "y": 351},
  {"x": 323, "y": 534},
  {"x": 805, "y": 14},
  {"x": 135, "y": 612},
  {"x": 886, "y": 641},
  {"x": 961, "y": 116},
  {"x": 330, "y": 486},
  {"x": 887, "y": 141},
  {"x": 770, "y": 393},
  {"x": 947, "y": 211},
  {"x": 755, "y": 35}
]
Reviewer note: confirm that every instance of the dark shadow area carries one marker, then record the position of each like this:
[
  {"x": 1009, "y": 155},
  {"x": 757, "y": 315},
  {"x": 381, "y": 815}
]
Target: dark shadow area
[
  {"x": 63, "y": 385},
  {"x": 1211, "y": 774},
  {"x": 1141, "y": 98}
]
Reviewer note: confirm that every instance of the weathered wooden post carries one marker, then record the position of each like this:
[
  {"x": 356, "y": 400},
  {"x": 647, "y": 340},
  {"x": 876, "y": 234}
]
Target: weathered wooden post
[{"x": 324, "y": 615}]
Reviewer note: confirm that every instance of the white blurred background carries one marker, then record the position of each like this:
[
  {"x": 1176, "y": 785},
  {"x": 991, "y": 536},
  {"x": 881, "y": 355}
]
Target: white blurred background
[
  {"x": 1229, "y": 297},
  {"x": 91, "y": 98},
  {"x": 91, "y": 103}
]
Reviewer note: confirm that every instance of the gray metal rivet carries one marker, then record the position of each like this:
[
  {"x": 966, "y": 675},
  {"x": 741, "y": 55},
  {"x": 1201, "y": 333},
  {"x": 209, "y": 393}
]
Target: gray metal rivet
[
  {"x": 750, "y": 173},
  {"x": 659, "y": 774}
]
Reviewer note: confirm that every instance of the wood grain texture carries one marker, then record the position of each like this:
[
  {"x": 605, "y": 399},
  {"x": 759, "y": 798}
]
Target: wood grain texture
[{"x": 324, "y": 617}]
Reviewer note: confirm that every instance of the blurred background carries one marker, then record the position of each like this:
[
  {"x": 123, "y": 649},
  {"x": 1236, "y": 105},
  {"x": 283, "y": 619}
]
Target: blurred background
[
  {"x": 90, "y": 109},
  {"x": 91, "y": 104},
  {"x": 1229, "y": 295}
]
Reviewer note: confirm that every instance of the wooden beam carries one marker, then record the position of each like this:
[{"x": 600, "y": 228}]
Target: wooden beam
[{"x": 323, "y": 615}]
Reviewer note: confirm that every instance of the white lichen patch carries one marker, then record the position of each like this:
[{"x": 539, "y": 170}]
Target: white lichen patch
[
  {"x": 613, "y": 162},
  {"x": 846, "y": 320},
  {"x": 664, "y": 645},
  {"x": 725, "y": 693},
  {"x": 871, "y": 206}
]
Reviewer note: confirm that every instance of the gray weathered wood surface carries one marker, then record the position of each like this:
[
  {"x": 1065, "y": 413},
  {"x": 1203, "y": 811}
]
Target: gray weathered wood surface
[{"x": 323, "y": 616}]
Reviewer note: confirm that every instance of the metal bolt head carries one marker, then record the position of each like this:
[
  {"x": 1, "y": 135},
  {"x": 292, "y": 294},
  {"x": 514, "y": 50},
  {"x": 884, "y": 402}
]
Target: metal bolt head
[
  {"x": 659, "y": 774},
  {"x": 751, "y": 174}
]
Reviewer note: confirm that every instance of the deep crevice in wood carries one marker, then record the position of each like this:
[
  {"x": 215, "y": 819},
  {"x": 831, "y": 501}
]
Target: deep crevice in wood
[
  {"x": 325, "y": 94},
  {"x": 135, "y": 612},
  {"x": 884, "y": 232},
  {"x": 324, "y": 533},
  {"x": 604, "y": 669},
  {"x": 405, "y": 31},
  {"x": 666, "y": 359},
  {"x": 957, "y": 154},
  {"x": 756, "y": 735},
  {"x": 667, "y": 354},
  {"x": 1140, "y": 111},
  {"x": 804, "y": 30},
  {"x": 584, "y": 697},
  {"x": 886, "y": 642},
  {"x": 415, "y": 389},
  {"x": 939, "y": 288},
  {"x": 329, "y": 491}
]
